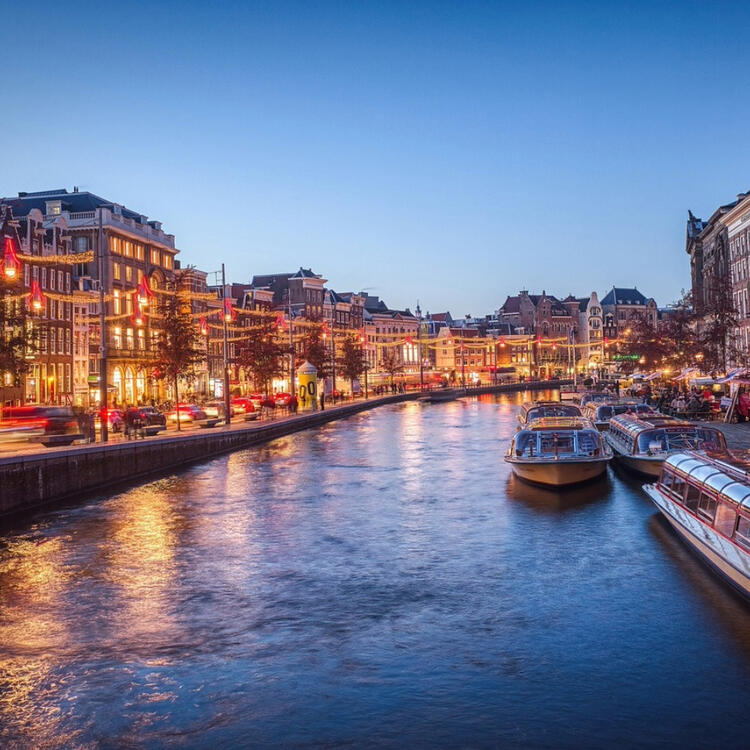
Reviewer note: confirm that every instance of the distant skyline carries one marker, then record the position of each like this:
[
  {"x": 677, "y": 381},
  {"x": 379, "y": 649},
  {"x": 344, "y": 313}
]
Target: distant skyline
[{"x": 448, "y": 152}]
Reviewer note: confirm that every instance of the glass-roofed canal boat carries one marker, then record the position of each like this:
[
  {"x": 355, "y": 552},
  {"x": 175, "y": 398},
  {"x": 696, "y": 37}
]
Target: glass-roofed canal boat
[
  {"x": 643, "y": 444},
  {"x": 558, "y": 451},
  {"x": 706, "y": 499},
  {"x": 537, "y": 409},
  {"x": 601, "y": 412}
]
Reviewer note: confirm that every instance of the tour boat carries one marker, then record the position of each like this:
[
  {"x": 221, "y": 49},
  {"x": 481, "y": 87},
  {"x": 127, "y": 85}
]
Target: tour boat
[
  {"x": 597, "y": 396},
  {"x": 642, "y": 444},
  {"x": 558, "y": 451},
  {"x": 440, "y": 395},
  {"x": 538, "y": 409},
  {"x": 706, "y": 499},
  {"x": 601, "y": 413}
]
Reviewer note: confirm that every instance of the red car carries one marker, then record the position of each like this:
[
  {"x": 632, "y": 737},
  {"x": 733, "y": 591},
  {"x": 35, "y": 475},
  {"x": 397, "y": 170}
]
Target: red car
[
  {"x": 282, "y": 399},
  {"x": 242, "y": 405}
]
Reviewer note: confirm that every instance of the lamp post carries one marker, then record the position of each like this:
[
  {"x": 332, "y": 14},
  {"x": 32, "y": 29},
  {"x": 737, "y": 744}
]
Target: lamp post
[
  {"x": 227, "y": 412},
  {"x": 103, "y": 385},
  {"x": 419, "y": 348},
  {"x": 291, "y": 343}
]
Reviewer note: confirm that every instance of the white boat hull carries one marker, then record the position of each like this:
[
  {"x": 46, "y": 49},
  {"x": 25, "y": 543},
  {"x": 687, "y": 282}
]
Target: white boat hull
[
  {"x": 558, "y": 473},
  {"x": 724, "y": 557}
]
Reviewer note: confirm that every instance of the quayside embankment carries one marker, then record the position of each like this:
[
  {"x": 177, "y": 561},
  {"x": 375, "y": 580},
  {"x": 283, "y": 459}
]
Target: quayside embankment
[{"x": 31, "y": 480}]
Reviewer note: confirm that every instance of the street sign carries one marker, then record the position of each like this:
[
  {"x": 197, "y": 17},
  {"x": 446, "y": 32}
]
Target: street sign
[{"x": 626, "y": 357}]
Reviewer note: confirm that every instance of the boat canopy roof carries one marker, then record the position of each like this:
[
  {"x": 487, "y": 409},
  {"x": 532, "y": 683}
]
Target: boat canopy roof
[
  {"x": 724, "y": 473},
  {"x": 549, "y": 409},
  {"x": 559, "y": 423},
  {"x": 635, "y": 424}
]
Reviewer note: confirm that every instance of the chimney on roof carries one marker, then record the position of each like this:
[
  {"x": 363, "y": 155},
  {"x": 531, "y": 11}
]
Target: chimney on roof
[{"x": 75, "y": 188}]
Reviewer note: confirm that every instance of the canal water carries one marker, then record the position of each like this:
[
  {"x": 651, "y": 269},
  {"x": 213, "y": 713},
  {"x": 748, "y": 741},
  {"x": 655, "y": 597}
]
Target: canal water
[{"x": 382, "y": 581}]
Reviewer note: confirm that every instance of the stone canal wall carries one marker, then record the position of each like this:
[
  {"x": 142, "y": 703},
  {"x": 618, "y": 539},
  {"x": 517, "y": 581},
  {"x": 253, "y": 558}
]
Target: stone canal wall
[{"x": 32, "y": 480}]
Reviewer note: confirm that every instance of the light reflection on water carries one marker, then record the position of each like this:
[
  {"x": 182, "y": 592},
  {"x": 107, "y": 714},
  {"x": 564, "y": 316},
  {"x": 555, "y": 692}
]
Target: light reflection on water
[{"x": 383, "y": 580}]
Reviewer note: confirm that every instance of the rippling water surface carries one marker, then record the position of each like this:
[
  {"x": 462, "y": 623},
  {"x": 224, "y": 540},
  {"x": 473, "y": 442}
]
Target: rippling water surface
[{"x": 380, "y": 581}]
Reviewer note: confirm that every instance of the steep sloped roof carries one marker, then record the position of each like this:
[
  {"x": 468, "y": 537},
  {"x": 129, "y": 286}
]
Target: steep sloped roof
[{"x": 624, "y": 296}]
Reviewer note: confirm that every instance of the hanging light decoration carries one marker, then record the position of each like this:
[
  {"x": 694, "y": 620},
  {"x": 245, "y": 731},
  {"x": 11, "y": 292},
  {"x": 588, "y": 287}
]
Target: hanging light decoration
[
  {"x": 280, "y": 322},
  {"x": 145, "y": 293},
  {"x": 137, "y": 316},
  {"x": 502, "y": 342},
  {"x": 229, "y": 313},
  {"x": 11, "y": 264},
  {"x": 36, "y": 298},
  {"x": 203, "y": 327}
]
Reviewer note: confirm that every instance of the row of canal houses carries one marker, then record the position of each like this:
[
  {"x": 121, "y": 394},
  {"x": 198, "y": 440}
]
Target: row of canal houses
[
  {"x": 123, "y": 249},
  {"x": 126, "y": 249}
]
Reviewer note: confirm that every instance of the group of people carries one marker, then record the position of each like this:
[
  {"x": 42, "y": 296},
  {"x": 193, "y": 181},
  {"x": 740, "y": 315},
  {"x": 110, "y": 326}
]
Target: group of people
[
  {"x": 384, "y": 390},
  {"x": 693, "y": 403}
]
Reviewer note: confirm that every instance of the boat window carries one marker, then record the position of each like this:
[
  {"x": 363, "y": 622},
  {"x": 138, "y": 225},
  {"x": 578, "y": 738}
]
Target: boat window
[
  {"x": 710, "y": 439},
  {"x": 652, "y": 441},
  {"x": 678, "y": 486},
  {"x": 525, "y": 444},
  {"x": 707, "y": 507},
  {"x": 588, "y": 443},
  {"x": 742, "y": 531},
  {"x": 666, "y": 479},
  {"x": 691, "y": 499},
  {"x": 553, "y": 443}
]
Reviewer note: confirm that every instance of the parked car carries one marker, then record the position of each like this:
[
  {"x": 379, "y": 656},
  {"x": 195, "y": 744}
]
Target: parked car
[
  {"x": 151, "y": 416},
  {"x": 187, "y": 412},
  {"x": 115, "y": 420},
  {"x": 216, "y": 409},
  {"x": 282, "y": 399},
  {"x": 257, "y": 399},
  {"x": 28, "y": 422},
  {"x": 242, "y": 405}
]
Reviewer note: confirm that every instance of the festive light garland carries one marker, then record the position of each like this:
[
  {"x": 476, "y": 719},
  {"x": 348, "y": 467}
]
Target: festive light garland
[{"x": 67, "y": 260}]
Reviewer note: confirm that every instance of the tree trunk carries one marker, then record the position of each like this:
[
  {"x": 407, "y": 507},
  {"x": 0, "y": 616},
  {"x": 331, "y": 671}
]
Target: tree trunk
[{"x": 177, "y": 402}]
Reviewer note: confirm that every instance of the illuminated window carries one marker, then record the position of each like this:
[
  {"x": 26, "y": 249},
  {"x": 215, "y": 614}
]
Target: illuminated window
[
  {"x": 117, "y": 337},
  {"x": 116, "y": 273},
  {"x": 128, "y": 273},
  {"x": 139, "y": 251},
  {"x": 128, "y": 249},
  {"x": 117, "y": 302},
  {"x": 44, "y": 278},
  {"x": 155, "y": 257}
]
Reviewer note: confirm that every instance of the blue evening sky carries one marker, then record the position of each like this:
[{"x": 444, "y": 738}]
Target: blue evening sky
[{"x": 446, "y": 152}]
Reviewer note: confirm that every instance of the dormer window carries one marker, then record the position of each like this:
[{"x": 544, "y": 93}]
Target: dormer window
[{"x": 53, "y": 208}]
